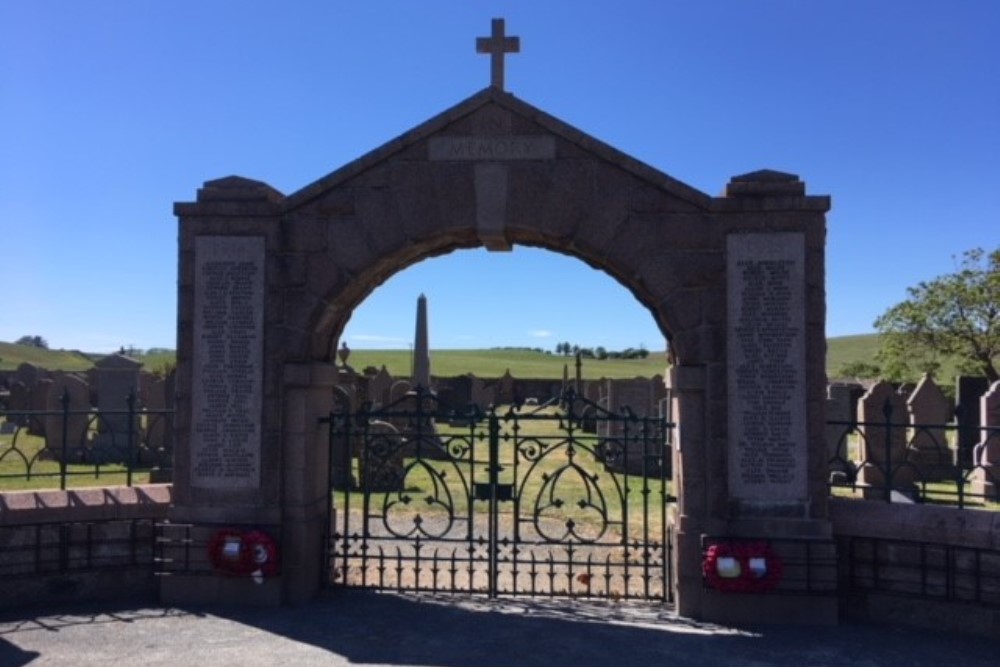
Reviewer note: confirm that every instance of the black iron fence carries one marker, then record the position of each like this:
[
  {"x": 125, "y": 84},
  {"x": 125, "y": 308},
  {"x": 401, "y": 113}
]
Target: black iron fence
[
  {"x": 77, "y": 447},
  {"x": 563, "y": 499},
  {"x": 926, "y": 570},
  {"x": 43, "y": 549},
  {"x": 893, "y": 460}
]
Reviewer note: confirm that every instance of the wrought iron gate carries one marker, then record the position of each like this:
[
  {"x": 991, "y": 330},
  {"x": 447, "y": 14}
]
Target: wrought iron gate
[{"x": 564, "y": 499}]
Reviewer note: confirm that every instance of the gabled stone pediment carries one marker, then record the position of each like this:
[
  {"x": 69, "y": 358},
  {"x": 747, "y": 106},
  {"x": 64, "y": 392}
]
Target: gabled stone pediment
[
  {"x": 117, "y": 362},
  {"x": 496, "y": 114}
]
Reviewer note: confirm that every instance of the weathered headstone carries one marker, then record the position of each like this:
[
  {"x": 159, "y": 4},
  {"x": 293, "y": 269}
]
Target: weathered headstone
[
  {"x": 986, "y": 477},
  {"x": 157, "y": 424},
  {"x": 483, "y": 395},
  {"x": 626, "y": 445},
  {"x": 19, "y": 402},
  {"x": 505, "y": 389},
  {"x": 381, "y": 466},
  {"x": 66, "y": 432},
  {"x": 119, "y": 437},
  {"x": 929, "y": 411},
  {"x": 29, "y": 374},
  {"x": 39, "y": 403},
  {"x": 884, "y": 464},
  {"x": 841, "y": 406},
  {"x": 379, "y": 387},
  {"x": 968, "y": 391},
  {"x": 346, "y": 443}
]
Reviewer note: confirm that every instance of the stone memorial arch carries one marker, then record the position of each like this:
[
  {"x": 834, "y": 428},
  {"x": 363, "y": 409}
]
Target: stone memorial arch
[{"x": 735, "y": 283}]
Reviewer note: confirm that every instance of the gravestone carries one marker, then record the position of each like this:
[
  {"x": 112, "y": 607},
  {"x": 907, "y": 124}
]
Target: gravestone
[
  {"x": 460, "y": 397},
  {"x": 884, "y": 453},
  {"x": 379, "y": 388},
  {"x": 381, "y": 461},
  {"x": 483, "y": 395},
  {"x": 39, "y": 402},
  {"x": 986, "y": 476},
  {"x": 347, "y": 443},
  {"x": 19, "y": 402},
  {"x": 157, "y": 425},
  {"x": 69, "y": 435},
  {"x": 117, "y": 379},
  {"x": 841, "y": 406},
  {"x": 624, "y": 444},
  {"x": 505, "y": 388},
  {"x": 30, "y": 374},
  {"x": 929, "y": 411},
  {"x": 968, "y": 391}
]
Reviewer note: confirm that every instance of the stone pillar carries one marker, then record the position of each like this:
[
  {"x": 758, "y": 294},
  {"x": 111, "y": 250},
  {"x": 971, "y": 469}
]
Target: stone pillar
[
  {"x": 230, "y": 407},
  {"x": 754, "y": 472},
  {"x": 306, "y": 508},
  {"x": 686, "y": 386}
]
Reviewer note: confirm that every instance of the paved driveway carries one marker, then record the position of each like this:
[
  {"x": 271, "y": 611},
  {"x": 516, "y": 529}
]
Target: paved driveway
[{"x": 359, "y": 628}]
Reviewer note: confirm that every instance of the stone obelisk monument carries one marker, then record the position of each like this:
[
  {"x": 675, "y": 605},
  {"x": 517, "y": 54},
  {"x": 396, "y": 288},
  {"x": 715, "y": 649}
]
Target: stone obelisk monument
[{"x": 421, "y": 349}]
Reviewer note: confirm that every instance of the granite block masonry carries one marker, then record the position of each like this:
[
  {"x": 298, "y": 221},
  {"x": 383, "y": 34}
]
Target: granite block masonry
[{"x": 268, "y": 282}]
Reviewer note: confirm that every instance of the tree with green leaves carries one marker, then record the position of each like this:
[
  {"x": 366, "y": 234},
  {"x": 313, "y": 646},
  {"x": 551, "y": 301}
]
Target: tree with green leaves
[
  {"x": 953, "y": 316},
  {"x": 33, "y": 341}
]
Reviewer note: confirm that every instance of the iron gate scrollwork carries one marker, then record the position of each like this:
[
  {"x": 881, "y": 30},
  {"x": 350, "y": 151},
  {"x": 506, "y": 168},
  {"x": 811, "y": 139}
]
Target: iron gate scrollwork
[{"x": 562, "y": 499}]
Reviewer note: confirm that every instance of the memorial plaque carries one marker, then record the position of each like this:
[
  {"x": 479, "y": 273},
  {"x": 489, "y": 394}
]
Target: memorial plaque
[
  {"x": 492, "y": 148},
  {"x": 228, "y": 354},
  {"x": 766, "y": 367}
]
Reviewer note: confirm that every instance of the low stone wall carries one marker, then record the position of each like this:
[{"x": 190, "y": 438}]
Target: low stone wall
[
  {"x": 932, "y": 567},
  {"x": 83, "y": 544}
]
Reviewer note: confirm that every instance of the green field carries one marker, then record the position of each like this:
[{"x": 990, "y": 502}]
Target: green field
[{"x": 482, "y": 363}]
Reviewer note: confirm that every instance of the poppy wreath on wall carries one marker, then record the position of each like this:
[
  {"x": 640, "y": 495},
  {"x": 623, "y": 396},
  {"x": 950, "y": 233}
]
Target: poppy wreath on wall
[
  {"x": 241, "y": 553},
  {"x": 742, "y": 567}
]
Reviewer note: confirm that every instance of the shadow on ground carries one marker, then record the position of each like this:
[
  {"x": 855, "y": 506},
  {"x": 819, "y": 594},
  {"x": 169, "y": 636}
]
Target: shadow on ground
[{"x": 355, "y": 627}]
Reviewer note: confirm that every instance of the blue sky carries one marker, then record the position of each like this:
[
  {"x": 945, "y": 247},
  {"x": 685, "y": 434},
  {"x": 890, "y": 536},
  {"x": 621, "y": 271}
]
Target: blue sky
[{"x": 110, "y": 111}]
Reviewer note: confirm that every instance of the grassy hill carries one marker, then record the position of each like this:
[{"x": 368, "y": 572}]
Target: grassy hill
[
  {"x": 12, "y": 356},
  {"x": 844, "y": 350},
  {"x": 520, "y": 363},
  {"x": 841, "y": 350}
]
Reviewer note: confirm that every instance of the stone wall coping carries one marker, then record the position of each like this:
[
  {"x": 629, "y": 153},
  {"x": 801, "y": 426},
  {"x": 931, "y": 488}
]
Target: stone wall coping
[
  {"x": 921, "y": 523},
  {"x": 80, "y": 505}
]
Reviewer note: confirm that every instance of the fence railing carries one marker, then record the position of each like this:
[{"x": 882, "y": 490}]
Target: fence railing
[
  {"x": 41, "y": 549},
  {"x": 78, "y": 447},
  {"x": 896, "y": 461},
  {"x": 927, "y": 570}
]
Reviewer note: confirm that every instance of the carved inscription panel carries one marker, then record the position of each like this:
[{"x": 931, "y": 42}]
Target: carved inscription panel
[
  {"x": 227, "y": 370},
  {"x": 766, "y": 367}
]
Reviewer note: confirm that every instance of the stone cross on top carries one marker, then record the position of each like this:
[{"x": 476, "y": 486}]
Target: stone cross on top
[{"x": 497, "y": 45}]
